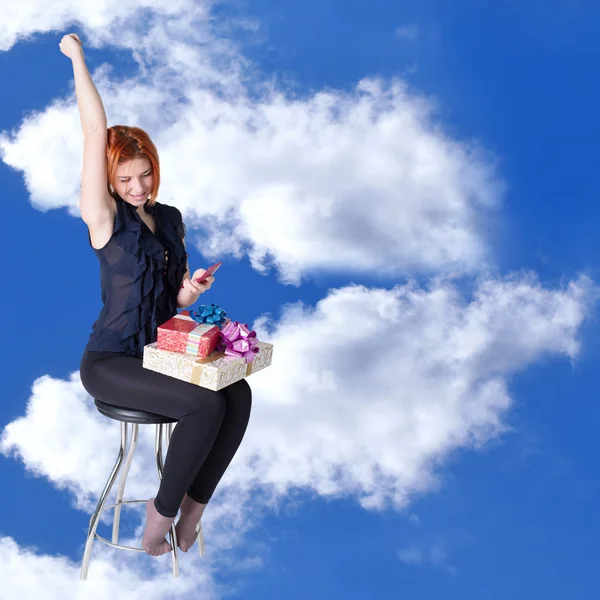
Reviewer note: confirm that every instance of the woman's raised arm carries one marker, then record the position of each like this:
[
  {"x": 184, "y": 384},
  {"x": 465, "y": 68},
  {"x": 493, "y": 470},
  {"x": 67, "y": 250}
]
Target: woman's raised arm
[
  {"x": 96, "y": 205},
  {"x": 91, "y": 109}
]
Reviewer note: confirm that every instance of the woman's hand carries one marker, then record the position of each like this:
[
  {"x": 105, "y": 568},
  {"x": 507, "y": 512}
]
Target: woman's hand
[
  {"x": 198, "y": 288},
  {"x": 71, "y": 45}
]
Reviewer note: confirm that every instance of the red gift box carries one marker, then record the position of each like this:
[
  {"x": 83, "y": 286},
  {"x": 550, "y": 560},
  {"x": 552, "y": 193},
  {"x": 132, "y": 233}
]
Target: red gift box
[{"x": 182, "y": 334}]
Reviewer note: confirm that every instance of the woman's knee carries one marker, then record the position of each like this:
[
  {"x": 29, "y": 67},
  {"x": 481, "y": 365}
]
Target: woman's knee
[
  {"x": 247, "y": 394},
  {"x": 239, "y": 395}
]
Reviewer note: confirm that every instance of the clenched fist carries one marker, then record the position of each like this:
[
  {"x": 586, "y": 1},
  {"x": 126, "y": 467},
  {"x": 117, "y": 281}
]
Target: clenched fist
[{"x": 71, "y": 45}]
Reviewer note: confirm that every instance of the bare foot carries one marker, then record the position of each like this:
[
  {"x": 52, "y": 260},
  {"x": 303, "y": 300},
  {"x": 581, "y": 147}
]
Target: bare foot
[
  {"x": 153, "y": 541},
  {"x": 191, "y": 513}
]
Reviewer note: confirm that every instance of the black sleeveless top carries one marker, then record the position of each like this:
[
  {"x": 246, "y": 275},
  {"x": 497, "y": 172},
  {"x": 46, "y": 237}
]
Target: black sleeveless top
[{"x": 140, "y": 276}]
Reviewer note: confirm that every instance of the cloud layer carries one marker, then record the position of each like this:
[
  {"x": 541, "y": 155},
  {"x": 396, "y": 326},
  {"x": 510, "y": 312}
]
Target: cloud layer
[
  {"x": 356, "y": 181},
  {"x": 371, "y": 390},
  {"x": 369, "y": 393}
]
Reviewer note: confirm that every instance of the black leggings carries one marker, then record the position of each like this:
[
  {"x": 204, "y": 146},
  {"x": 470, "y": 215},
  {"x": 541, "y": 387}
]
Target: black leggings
[{"x": 210, "y": 424}]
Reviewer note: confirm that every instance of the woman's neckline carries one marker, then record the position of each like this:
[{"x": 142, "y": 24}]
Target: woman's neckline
[
  {"x": 147, "y": 226},
  {"x": 149, "y": 210}
]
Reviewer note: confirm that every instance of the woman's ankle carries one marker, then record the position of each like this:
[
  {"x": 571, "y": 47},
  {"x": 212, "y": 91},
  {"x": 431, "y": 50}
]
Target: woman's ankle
[{"x": 189, "y": 507}]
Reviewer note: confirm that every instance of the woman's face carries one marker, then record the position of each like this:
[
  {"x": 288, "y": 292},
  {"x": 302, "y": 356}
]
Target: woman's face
[{"x": 134, "y": 180}]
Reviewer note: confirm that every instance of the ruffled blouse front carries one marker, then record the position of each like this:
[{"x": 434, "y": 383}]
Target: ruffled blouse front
[{"x": 140, "y": 277}]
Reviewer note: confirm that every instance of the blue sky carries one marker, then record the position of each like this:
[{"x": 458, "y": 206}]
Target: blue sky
[{"x": 487, "y": 492}]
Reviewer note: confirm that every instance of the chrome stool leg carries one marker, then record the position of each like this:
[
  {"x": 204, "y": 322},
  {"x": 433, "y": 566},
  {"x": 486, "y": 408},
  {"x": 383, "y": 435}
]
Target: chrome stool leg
[
  {"x": 200, "y": 538},
  {"x": 199, "y": 526},
  {"x": 123, "y": 480},
  {"x": 101, "y": 506},
  {"x": 172, "y": 532},
  {"x": 96, "y": 516}
]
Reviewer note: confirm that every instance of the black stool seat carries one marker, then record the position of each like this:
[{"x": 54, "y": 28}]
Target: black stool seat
[{"x": 131, "y": 415}]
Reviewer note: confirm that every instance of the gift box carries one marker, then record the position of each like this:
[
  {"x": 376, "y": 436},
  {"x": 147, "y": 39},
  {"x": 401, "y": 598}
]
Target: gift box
[
  {"x": 183, "y": 334},
  {"x": 213, "y": 372}
]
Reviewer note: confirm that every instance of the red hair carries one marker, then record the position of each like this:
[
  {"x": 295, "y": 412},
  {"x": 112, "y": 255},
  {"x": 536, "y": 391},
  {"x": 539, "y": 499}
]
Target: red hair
[{"x": 125, "y": 143}]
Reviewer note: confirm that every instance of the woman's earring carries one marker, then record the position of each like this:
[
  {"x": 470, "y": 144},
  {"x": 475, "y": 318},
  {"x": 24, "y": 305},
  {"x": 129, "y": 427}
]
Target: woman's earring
[{"x": 112, "y": 190}]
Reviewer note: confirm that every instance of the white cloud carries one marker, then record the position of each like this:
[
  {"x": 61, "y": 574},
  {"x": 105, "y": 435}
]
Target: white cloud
[
  {"x": 368, "y": 394},
  {"x": 372, "y": 389},
  {"x": 364, "y": 180},
  {"x": 28, "y": 574},
  {"x": 101, "y": 19}
]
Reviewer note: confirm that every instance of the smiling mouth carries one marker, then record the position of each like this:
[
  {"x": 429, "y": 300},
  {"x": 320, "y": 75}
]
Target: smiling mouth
[{"x": 137, "y": 197}]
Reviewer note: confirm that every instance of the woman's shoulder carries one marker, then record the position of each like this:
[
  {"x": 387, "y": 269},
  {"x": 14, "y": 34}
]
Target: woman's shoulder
[
  {"x": 168, "y": 210},
  {"x": 173, "y": 215}
]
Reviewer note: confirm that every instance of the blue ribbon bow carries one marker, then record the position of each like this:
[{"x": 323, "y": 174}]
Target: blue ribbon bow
[{"x": 213, "y": 315}]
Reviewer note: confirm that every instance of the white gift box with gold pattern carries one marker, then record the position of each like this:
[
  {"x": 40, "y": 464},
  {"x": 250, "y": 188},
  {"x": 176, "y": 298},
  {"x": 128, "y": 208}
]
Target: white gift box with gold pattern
[{"x": 213, "y": 372}]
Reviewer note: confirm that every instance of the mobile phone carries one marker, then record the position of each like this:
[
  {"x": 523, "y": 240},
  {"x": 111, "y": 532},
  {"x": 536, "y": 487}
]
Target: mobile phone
[{"x": 210, "y": 271}]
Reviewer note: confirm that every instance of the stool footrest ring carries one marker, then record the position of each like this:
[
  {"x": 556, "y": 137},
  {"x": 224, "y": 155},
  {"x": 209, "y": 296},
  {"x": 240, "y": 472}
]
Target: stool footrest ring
[
  {"x": 96, "y": 536},
  {"x": 107, "y": 506}
]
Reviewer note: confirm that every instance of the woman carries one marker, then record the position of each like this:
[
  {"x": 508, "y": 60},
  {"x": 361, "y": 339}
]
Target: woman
[{"x": 143, "y": 264}]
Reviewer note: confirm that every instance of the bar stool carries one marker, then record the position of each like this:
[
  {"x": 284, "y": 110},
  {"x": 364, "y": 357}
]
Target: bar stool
[{"x": 135, "y": 418}]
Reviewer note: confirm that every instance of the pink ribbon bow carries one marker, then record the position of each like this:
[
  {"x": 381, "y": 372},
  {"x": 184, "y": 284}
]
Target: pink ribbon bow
[{"x": 237, "y": 340}]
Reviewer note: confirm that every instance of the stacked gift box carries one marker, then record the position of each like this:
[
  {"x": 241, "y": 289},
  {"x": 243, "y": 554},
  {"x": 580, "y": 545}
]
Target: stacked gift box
[{"x": 205, "y": 348}]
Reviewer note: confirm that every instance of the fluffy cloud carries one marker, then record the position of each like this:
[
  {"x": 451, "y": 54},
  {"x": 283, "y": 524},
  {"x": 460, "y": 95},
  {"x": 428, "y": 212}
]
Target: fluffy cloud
[
  {"x": 368, "y": 393},
  {"x": 27, "y": 574},
  {"x": 365, "y": 407},
  {"x": 371, "y": 389},
  {"x": 102, "y": 19},
  {"x": 356, "y": 181}
]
